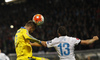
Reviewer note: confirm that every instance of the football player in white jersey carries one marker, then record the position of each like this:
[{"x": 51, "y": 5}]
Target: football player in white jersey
[
  {"x": 64, "y": 44},
  {"x": 3, "y": 56}
]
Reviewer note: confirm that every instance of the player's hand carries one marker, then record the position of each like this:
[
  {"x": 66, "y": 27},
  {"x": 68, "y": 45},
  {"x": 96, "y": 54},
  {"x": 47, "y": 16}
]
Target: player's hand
[
  {"x": 44, "y": 43},
  {"x": 96, "y": 37}
]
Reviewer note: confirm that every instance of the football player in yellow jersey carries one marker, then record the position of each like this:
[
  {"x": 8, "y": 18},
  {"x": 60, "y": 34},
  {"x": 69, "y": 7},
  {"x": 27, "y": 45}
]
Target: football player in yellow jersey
[{"x": 22, "y": 42}]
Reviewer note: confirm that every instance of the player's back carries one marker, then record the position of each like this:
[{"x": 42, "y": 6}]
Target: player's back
[
  {"x": 23, "y": 48},
  {"x": 65, "y": 47}
]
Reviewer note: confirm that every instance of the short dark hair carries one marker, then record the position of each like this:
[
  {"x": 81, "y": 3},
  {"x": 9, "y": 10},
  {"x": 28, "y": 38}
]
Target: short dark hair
[
  {"x": 62, "y": 31},
  {"x": 31, "y": 23}
]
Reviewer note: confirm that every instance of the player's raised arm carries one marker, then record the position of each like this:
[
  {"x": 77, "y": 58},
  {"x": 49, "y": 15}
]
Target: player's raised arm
[{"x": 90, "y": 41}]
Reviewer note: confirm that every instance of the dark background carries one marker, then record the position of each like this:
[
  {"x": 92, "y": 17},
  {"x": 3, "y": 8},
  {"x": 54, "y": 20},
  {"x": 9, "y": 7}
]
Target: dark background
[{"x": 80, "y": 17}]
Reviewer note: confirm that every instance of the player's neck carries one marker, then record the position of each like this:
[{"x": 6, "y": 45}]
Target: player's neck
[
  {"x": 59, "y": 34},
  {"x": 26, "y": 28}
]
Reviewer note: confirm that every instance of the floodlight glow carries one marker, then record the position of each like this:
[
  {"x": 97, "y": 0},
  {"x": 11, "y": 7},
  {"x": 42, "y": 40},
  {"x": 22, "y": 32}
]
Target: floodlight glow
[
  {"x": 11, "y": 26},
  {"x": 8, "y": 0}
]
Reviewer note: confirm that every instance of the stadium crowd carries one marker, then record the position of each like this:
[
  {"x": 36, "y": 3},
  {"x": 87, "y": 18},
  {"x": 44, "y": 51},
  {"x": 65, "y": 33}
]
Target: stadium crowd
[{"x": 81, "y": 18}]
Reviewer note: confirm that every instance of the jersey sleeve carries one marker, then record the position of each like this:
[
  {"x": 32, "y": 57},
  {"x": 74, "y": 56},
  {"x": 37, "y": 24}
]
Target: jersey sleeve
[
  {"x": 27, "y": 36},
  {"x": 51, "y": 43},
  {"x": 76, "y": 41}
]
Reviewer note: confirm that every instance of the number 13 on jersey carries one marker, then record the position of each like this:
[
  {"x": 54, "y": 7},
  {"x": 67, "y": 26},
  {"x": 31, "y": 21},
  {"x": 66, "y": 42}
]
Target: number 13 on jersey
[{"x": 64, "y": 48}]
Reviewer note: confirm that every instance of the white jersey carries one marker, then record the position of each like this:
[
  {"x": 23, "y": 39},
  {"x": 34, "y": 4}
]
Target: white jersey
[
  {"x": 64, "y": 46},
  {"x": 3, "y": 57}
]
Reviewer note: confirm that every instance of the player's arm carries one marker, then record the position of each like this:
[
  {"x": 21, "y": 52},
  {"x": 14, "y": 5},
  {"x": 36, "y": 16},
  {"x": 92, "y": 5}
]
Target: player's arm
[
  {"x": 35, "y": 44},
  {"x": 45, "y": 43},
  {"x": 39, "y": 45},
  {"x": 89, "y": 41},
  {"x": 27, "y": 36}
]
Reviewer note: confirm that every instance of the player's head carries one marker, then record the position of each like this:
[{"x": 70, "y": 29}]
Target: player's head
[
  {"x": 30, "y": 26},
  {"x": 62, "y": 31}
]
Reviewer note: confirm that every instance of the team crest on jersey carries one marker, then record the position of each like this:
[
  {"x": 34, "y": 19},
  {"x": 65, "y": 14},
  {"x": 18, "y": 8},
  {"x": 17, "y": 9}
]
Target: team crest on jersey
[
  {"x": 49, "y": 42},
  {"x": 77, "y": 38}
]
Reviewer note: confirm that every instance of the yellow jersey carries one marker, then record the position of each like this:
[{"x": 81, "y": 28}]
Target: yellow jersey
[{"x": 22, "y": 46}]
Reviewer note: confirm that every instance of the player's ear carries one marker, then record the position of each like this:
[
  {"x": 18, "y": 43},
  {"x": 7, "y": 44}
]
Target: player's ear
[
  {"x": 30, "y": 27},
  {"x": 59, "y": 34}
]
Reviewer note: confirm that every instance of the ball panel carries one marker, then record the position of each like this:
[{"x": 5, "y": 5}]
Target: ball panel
[{"x": 38, "y": 19}]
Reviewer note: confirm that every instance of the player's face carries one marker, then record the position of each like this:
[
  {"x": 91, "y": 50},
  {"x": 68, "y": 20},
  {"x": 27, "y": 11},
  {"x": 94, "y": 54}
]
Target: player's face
[{"x": 31, "y": 30}]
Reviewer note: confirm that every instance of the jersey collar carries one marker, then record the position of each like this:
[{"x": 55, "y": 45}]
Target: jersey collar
[{"x": 23, "y": 27}]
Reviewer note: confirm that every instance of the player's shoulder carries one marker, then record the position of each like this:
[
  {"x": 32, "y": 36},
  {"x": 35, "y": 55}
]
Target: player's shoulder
[
  {"x": 64, "y": 37},
  {"x": 22, "y": 29},
  {"x": 53, "y": 41},
  {"x": 74, "y": 38},
  {"x": 2, "y": 53},
  {"x": 55, "y": 38},
  {"x": 70, "y": 37}
]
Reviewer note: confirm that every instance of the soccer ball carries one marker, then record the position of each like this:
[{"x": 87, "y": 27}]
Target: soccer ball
[{"x": 38, "y": 19}]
